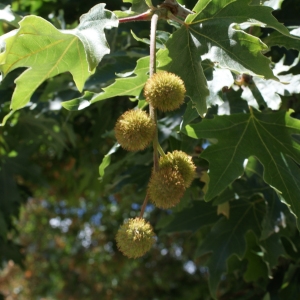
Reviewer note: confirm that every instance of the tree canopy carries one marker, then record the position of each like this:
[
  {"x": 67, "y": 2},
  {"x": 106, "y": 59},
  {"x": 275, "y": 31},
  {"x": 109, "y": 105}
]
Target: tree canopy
[{"x": 70, "y": 69}]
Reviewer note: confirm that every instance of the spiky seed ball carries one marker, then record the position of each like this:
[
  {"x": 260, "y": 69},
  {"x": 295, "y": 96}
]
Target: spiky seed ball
[
  {"x": 165, "y": 91},
  {"x": 182, "y": 162},
  {"x": 134, "y": 130},
  {"x": 135, "y": 237},
  {"x": 166, "y": 187}
]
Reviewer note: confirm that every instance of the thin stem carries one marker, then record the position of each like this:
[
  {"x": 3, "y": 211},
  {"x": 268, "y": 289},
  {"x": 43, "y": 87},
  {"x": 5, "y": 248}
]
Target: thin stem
[
  {"x": 144, "y": 206},
  {"x": 174, "y": 18},
  {"x": 160, "y": 150},
  {"x": 146, "y": 16},
  {"x": 154, "y": 20},
  {"x": 152, "y": 110}
]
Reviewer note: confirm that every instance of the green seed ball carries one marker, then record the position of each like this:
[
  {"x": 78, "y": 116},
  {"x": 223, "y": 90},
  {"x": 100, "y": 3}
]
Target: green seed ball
[
  {"x": 182, "y": 162},
  {"x": 165, "y": 91},
  {"x": 166, "y": 187},
  {"x": 135, "y": 237},
  {"x": 134, "y": 130}
]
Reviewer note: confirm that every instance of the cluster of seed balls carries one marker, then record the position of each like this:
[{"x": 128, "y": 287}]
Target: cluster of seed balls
[{"x": 135, "y": 131}]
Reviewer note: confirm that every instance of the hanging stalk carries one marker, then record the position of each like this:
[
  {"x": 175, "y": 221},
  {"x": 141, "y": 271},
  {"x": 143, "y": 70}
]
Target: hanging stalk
[
  {"x": 152, "y": 110},
  {"x": 152, "y": 69}
]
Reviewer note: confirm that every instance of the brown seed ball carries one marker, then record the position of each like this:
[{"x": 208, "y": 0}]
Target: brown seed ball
[
  {"x": 166, "y": 187},
  {"x": 182, "y": 162},
  {"x": 135, "y": 237},
  {"x": 165, "y": 91},
  {"x": 134, "y": 130}
]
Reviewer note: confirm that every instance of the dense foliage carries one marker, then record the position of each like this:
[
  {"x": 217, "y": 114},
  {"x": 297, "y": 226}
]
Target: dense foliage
[{"x": 70, "y": 69}]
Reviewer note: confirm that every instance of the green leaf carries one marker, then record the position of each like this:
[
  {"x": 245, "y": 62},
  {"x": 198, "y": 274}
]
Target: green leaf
[
  {"x": 46, "y": 52},
  {"x": 273, "y": 249},
  {"x": 256, "y": 267},
  {"x": 118, "y": 62},
  {"x": 227, "y": 237},
  {"x": 193, "y": 218},
  {"x": 290, "y": 288},
  {"x": 161, "y": 39},
  {"x": 275, "y": 4},
  {"x": 278, "y": 39},
  {"x": 182, "y": 57},
  {"x": 190, "y": 114},
  {"x": 91, "y": 33},
  {"x": 266, "y": 136},
  {"x": 277, "y": 212},
  {"x": 218, "y": 26},
  {"x": 127, "y": 86},
  {"x": 106, "y": 160},
  {"x": 138, "y": 6}
]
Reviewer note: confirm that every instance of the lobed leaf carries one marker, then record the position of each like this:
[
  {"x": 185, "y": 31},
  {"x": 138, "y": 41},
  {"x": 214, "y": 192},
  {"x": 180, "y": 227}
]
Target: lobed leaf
[
  {"x": 245, "y": 216},
  {"x": 267, "y": 136},
  {"x": 217, "y": 32},
  {"x": 219, "y": 28},
  {"x": 46, "y": 52}
]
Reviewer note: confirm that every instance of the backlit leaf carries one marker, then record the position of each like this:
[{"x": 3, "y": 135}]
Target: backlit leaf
[{"x": 46, "y": 52}]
